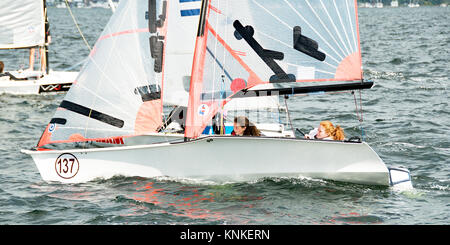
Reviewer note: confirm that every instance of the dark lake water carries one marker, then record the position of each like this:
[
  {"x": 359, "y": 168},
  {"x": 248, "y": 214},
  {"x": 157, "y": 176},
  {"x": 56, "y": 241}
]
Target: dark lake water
[{"x": 405, "y": 51}]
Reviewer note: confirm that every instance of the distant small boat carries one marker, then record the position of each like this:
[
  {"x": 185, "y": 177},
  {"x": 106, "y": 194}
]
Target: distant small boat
[
  {"x": 23, "y": 27},
  {"x": 413, "y": 4},
  {"x": 61, "y": 5},
  {"x": 108, "y": 4},
  {"x": 366, "y": 5},
  {"x": 379, "y": 4},
  {"x": 394, "y": 3}
]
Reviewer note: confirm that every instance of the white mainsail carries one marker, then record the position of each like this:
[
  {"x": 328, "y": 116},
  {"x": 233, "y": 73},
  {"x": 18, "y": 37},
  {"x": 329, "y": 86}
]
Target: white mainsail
[
  {"x": 22, "y": 23},
  {"x": 117, "y": 92}
]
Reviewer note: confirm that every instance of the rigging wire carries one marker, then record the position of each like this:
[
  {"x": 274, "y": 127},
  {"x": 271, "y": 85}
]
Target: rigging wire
[
  {"x": 222, "y": 97},
  {"x": 288, "y": 114},
  {"x": 78, "y": 27},
  {"x": 359, "y": 112}
]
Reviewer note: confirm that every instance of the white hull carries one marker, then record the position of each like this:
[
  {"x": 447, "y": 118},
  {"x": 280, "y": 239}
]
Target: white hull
[
  {"x": 217, "y": 158},
  {"x": 54, "y": 82}
]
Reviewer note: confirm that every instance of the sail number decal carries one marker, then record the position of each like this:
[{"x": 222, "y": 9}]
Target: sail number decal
[{"x": 67, "y": 166}]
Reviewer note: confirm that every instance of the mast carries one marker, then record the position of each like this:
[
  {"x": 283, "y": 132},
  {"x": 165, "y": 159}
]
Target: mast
[
  {"x": 45, "y": 47},
  {"x": 111, "y": 5},
  {"x": 202, "y": 20}
]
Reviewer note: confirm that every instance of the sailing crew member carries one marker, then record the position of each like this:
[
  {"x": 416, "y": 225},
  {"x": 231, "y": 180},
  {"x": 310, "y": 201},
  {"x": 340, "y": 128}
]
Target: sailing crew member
[
  {"x": 326, "y": 131},
  {"x": 243, "y": 127},
  {"x": 48, "y": 40},
  {"x": 176, "y": 120},
  {"x": 7, "y": 75}
]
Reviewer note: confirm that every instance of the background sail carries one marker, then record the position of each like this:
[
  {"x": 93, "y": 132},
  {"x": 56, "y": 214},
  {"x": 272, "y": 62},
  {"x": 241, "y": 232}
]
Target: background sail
[
  {"x": 271, "y": 43},
  {"x": 118, "y": 91},
  {"x": 21, "y": 23},
  {"x": 182, "y": 27}
]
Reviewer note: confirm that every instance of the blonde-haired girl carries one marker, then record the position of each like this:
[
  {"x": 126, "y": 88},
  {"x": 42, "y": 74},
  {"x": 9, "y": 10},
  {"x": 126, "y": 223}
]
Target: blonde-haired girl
[{"x": 326, "y": 131}]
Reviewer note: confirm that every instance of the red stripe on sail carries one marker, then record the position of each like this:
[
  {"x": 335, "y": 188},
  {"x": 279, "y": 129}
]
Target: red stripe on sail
[
  {"x": 215, "y": 9},
  {"x": 126, "y": 32},
  {"x": 122, "y": 33},
  {"x": 239, "y": 53},
  {"x": 117, "y": 140}
]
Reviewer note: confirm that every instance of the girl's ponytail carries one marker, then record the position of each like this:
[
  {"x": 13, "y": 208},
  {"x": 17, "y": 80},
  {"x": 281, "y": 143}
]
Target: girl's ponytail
[{"x": 338, "y": 133}]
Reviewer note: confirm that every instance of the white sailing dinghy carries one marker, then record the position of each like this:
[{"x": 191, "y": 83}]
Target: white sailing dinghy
[
  {"x": 22, "y": 26},
  {"x": 110, "y": 121}
]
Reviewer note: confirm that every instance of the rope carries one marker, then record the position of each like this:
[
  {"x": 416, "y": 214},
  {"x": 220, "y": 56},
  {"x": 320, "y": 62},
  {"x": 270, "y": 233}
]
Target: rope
[
  {"x": 87, "y": 45},
  {"x": 78, "y": 27},
  {"x": 359, "y": 113},
  {"x": 288, "y": 115}
]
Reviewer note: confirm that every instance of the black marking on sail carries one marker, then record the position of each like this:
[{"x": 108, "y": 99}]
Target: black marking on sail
[
  {"x": 58, "y": 120},
  {"x": 85, "y": 111},
  {"x": 266, "y": 55},
  {"x": 148, "y": 92},
  {"x": 273, "y": 54},
  {"x": 151, "y": 15},
  {"x": 159, "y": 51},
  {"x": 307, "y": 45}
]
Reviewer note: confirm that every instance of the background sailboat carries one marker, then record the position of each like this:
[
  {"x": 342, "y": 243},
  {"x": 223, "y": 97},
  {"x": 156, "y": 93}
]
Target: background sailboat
[
  {"x": 23, "y": 26},
  {"x": 413, "y": 4},
  {"x": 237, "y": 52}
]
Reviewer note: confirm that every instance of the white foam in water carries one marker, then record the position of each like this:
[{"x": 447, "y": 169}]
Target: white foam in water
[{"x": 400, "y": 179}]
